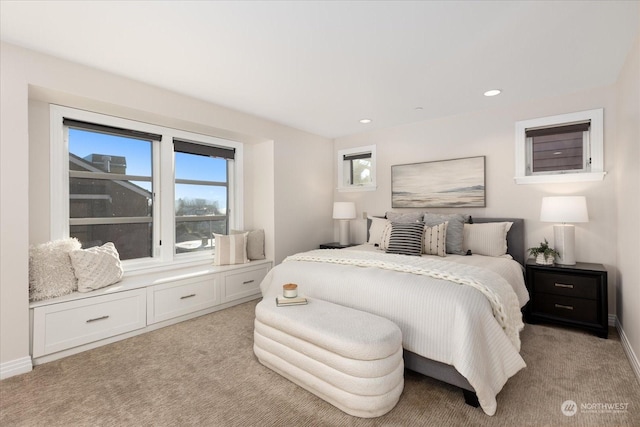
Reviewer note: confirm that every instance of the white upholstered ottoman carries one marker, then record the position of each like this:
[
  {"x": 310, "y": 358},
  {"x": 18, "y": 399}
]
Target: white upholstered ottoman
[{"x": 347, "y": 357}]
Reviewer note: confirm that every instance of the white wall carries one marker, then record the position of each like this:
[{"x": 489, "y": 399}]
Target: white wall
[
  {"x": 276, "y": 169},
  {"x": 491, "y": 133},
  {"x": 627, "y": 173}
]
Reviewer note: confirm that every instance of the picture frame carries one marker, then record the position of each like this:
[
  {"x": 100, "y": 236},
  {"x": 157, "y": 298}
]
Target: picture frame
[{"x": 453, "y": 183}]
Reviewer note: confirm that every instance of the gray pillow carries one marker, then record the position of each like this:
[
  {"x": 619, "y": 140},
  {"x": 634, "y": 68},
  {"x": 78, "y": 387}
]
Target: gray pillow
[
  {"x": 455, "y": 229},
  {"x": 404, "y": 216}
]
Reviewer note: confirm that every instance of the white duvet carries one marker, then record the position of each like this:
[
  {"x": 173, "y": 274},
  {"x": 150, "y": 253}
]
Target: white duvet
[{"x": 449, "y": 322}]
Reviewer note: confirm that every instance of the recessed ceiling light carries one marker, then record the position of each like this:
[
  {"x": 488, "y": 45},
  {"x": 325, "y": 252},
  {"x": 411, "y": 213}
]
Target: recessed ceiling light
[
  {"x": 419, "y": 108},
  {"x": 492, "y": 92},
  {"x": 365, "y": 121}
]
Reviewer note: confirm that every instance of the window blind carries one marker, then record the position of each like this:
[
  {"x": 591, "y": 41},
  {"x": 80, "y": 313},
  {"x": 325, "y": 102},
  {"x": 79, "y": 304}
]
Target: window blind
[
  {"x": 578, "y": 127},
  {"x": 112, "y": 130},
  {"x": 180, "y": 146}
]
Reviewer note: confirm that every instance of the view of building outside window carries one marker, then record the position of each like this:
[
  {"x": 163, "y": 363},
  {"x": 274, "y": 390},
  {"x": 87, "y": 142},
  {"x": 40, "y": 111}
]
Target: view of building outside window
[{"x": 110, "y": 192}]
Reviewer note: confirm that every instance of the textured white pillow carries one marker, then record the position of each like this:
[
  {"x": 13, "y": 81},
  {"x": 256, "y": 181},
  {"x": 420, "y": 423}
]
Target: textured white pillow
[
  {"x": 96, "y": 267},
  {"x": 50, "y": 271},
  {"x": 488, "y": 239},
  {"x": 231, "y": 249},
  {"x": 434, "y": 240},
  {"x": 376, "y": 229},
  {"x": 384, "y": 237},
  {"x": 255, "y": 243}
]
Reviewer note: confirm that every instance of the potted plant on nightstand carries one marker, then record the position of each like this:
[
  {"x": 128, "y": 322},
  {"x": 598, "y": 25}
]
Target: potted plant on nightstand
[{"x": 543, "y": 254}]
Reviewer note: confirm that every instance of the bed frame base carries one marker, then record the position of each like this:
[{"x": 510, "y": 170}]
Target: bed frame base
[{"x": 442, "y": 372}]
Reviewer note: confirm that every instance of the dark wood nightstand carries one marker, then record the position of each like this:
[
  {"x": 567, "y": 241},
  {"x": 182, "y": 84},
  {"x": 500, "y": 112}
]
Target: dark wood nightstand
[
  {"x": 335, "y": 245},
  {"x": 570, "y": 295}
]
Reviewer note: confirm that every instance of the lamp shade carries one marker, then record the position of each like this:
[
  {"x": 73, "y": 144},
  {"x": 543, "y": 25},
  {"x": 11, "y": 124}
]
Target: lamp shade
[
  {"x": 564, "y": 209},
  {"x": 344, "y": 210}
]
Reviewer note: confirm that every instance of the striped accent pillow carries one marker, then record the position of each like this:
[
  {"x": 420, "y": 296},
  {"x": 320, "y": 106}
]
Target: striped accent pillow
[
  {"x": 435, "y": 239},
  {"x": 231, "y": 249},
  {"x": 406, "y": 238}
]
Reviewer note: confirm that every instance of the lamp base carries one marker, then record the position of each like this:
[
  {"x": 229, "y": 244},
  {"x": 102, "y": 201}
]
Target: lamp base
[
  {"x": 564, "y": 241},
  {"x": 344, "y": 231}
]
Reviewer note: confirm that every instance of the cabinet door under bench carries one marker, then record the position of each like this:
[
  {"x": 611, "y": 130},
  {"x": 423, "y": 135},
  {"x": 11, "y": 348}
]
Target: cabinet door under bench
[
  {"x": 182, "y": 297},
  {"x": 573, "y": 295},
  {"x": 58, "y": 327},
  {"x": 243, "y": 283}
]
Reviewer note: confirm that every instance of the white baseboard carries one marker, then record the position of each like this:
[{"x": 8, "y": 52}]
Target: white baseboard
[
  {"x": 15, "y": 367},
  {"x": 633, "y": 358}
]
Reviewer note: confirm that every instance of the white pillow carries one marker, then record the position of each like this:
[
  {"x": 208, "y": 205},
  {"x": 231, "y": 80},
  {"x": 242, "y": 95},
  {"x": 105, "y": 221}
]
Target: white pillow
[
  {"x": 488, "y": 239},
  {"x": 50, "y": 271},
  {"x": 96, "y": 267},
  {"x": 230, "y": 249},
  {"x": 385, "y": 235},
  {"x": 255, "y": 243},
  {"x": 376, "y": 229},
  {"x": 434, "y": 240}
]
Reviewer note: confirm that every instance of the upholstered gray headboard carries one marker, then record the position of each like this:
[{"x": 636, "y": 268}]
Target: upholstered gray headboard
[{"x": 515, "y": 236}]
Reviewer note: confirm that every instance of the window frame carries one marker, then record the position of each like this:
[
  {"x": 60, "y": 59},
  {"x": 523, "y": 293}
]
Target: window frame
[
  {"x": 163, "y": 181},
  {"x": 593, "y": 147},
  {"x": 342, "y": 186}
]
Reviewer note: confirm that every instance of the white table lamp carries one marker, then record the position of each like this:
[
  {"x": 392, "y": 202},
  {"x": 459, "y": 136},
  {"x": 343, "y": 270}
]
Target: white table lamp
[
  {"x": 564, "y": 209},
  {"x": 344, "y": 211}
]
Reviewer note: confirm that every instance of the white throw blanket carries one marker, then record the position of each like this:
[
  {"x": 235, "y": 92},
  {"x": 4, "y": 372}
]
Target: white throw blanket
[
  {"x": 440, "y": 320},
  {"x": 504, "y": 302}
]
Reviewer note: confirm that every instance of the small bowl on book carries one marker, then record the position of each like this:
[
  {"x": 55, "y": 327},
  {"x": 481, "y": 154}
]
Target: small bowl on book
[{"x": 290, "y": 290}]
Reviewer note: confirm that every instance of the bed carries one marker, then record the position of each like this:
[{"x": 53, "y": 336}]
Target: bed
[{"x": 460, "y": 315}]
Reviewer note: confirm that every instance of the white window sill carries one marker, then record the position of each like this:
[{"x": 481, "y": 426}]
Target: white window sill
[
  {"x": 566, "y": 177},
  {"x": 358, "y": 188}
]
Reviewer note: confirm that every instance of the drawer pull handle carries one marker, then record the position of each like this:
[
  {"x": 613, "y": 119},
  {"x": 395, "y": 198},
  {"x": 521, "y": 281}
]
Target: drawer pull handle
[
  {"x": 247, "y": 282},
  {"x": 97, "y": 318},
  {"x": 562, "y": 285},
  {"x": 188, "y": 296},
  {"x": 566, "y": 307}
]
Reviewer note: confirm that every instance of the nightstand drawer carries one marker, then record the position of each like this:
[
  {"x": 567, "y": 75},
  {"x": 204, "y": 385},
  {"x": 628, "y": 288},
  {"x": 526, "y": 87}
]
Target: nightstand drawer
[
  {"x": 570, "y": 285},
  {"x": 582, "y": 310}
]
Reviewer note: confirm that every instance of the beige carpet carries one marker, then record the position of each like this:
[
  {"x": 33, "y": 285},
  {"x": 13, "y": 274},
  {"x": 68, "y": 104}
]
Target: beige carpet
[{"x": 203, "y": 372}]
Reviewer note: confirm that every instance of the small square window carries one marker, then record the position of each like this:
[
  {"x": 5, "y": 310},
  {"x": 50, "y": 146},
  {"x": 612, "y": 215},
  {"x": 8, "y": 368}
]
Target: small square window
[
  {"x": 357, "y": 169},
  {"x": 563, "y": 148}
]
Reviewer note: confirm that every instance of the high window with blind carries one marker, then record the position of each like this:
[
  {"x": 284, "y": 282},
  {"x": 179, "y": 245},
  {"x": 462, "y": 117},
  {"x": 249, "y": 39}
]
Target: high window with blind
[
  {"x": 357, "y": 169},
  {"x": 563, "y": 148},
  {"x": 157, "y": 193},
  {"x": 558, "y": 149}
]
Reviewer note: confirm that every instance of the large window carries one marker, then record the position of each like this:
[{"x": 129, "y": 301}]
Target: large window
[
  {"x": 563, "y": 148},
  {"x": 201, "y": 194},
  {"x": 157, "y": 193}
]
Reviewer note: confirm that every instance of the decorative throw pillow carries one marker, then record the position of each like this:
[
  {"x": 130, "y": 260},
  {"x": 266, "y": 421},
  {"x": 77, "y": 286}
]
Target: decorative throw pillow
[
  {"x": 376, "y": 229},
  {"x": 406, "y": 238},
  {"x": 455, "y": 229},
  {"x": 404, "y": 216},
  {"x": 255, "y": 243},
  {"x": 50, "y": 271},
  {"x": 230, "y": 249},
  {"x": 96, "y": 267},
  {"x": 488, "y": 239},
  {"x": 384, "y": 237},
  {"x": 435, "y": 239}
]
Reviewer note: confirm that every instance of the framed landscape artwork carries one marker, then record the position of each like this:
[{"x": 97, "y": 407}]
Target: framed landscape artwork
[{"x": 455, "y": 183}]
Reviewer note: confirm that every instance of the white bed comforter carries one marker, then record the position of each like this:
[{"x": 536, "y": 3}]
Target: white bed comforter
[{"x": 441, "y": 320}]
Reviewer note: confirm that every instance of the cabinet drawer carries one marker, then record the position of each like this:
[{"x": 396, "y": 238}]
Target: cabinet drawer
[
  {"x": 243, "y": 284},
  {"x": 62, "y": 326},
  {"x": 179, "y": 298},
  {"x": 577, "y": 309},
  {"x": 570, "y": 285}
]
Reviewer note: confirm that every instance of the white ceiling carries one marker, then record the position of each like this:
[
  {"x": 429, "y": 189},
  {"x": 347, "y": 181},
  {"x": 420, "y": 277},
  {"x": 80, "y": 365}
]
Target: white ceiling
[{"x": 322, "y": 66}]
